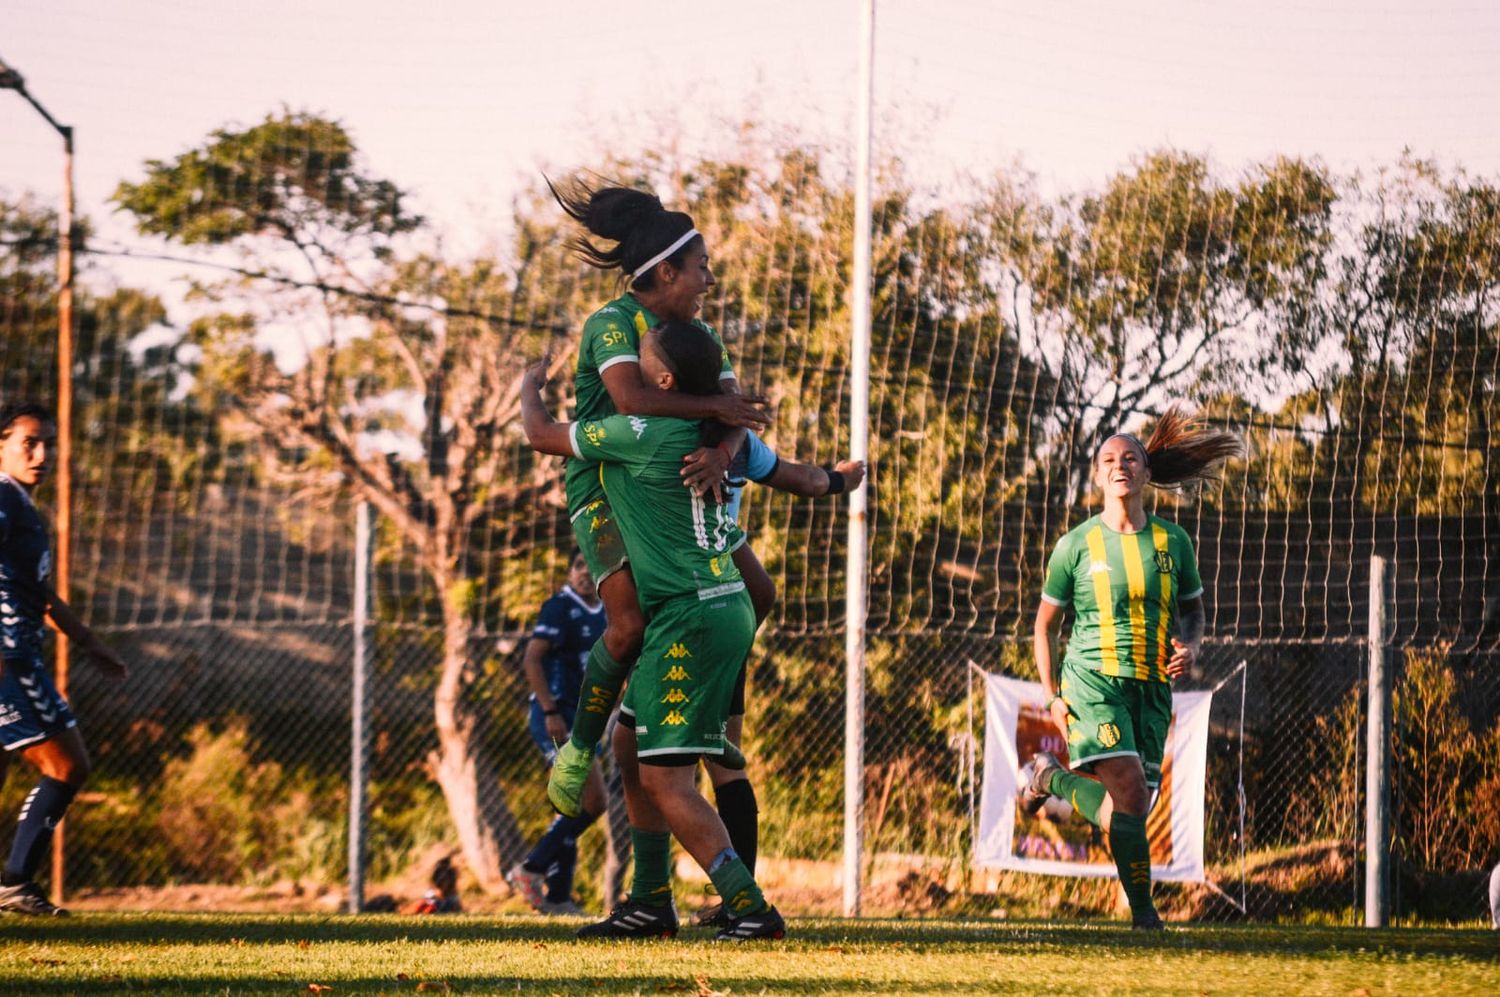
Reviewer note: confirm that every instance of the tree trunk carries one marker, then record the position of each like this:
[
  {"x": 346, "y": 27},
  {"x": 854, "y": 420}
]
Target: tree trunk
[{"x": 487, "y": 831}]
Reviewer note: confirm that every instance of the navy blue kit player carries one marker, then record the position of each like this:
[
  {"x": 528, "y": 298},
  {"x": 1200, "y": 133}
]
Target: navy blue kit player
[
  {"x": 568, "y": 626},
  {"x": 35, "y": 721}
]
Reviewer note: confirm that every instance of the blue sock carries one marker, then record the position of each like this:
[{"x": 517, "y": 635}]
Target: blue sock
[
  {"x": 560, "y": 876},
  {"x": 562, "y": 834},
  {"x": 39, "y": 815}
]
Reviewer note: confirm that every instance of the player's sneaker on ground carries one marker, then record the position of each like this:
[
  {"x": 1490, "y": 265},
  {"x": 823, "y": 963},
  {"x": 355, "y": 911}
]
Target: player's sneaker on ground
[
  {"x": 1150, "y": 921},
  {"x": 28, "y": 898},
  {"x": 1035, "y": 792},
  {"x": 763, "y": 924},
  {"x": 561, "y": 908},
  {"x": 633, "y": 920},
  {"x": 570, "y": 770},
  {"x": 532, "y": 886},
  {"x": 712, "y": 917}
]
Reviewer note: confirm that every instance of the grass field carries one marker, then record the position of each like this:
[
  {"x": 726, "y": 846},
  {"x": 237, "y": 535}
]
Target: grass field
[{"x": 157, "y": 953}]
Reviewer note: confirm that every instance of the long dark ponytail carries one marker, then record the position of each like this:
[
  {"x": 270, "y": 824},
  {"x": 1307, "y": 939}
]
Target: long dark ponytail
[{"x": 636, "y": 222}]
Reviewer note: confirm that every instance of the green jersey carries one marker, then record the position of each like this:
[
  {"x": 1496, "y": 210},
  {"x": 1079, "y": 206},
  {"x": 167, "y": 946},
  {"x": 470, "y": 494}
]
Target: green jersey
[
  {"x": 1124, "y": 589},
  {"x": 679, "y": 543},
  {"x": 611, "y": 335}
]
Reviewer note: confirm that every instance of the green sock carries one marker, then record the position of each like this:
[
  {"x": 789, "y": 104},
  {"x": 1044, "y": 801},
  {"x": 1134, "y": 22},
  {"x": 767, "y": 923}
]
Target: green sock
[
  {"x": 1127, "y": 840},
  {"x": 651, "y": 883},
  {"x": 1086, "y": 795},
  {"x": 602, "y": 681},
  {"x": 737, "y": 888}
]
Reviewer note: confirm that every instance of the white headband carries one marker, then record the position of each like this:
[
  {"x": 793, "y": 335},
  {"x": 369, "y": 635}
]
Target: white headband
[{"x": 674, "y": 247}]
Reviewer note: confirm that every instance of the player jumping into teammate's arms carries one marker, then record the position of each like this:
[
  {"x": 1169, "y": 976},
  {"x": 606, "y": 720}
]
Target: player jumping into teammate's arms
[
  {"x": 1132, "y": 582},
  {"x": 663, "y": 260},
  {"x": 699, "y": 627},
  {"x": 35, "y": 721}
]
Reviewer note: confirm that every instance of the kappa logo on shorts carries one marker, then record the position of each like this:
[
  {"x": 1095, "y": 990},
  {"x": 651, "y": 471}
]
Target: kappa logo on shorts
[
  {"x": 675, "y": 696},
  {"x": 674, "y": 719},
  {"x": 1109, "y": 735},
  {"x": 1164, "y": 562},
  {"x": 639, "y": 425},
  {"x": 678, "y": 674},
  {"x": 678, "y": 651}
]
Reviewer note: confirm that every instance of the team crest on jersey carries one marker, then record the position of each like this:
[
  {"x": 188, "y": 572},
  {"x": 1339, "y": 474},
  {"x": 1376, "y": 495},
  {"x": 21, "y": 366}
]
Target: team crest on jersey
[
  {"x": 1165, "y": 562},
  {"x": 639, "y": 425},
  {"x": 1109, "y": 735}
]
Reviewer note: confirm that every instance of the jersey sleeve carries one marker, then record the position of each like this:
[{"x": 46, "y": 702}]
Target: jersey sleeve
[
  {"x": 550, "y": 621},
  {"x": 618, "y": 439},
  {"x": 608, "y": 339},
  {"x": 1189, "y": 583},
  {"x": 760, "y": 460},
  {"x": 1058, "y": 588}
]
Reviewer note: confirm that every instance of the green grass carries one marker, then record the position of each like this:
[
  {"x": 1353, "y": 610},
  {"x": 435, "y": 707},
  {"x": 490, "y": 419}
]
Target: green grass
[{"x": 156, "y": 953}]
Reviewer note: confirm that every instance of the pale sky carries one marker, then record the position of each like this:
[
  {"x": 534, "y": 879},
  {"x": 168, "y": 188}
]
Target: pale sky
[{"x": 457, "y": 101}]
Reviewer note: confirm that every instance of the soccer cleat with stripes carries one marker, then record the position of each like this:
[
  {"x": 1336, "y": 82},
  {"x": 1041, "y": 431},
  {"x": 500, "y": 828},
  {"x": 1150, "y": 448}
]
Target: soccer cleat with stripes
[
  {"x": 532, "y": 886},
  {"x": 28, "y": 898},
  {"x": 1035, "y": 792},
  {"x": 570, "y": 770},
  {"x": 635, "y": 920},
  {"x": 762, "y": 924}
]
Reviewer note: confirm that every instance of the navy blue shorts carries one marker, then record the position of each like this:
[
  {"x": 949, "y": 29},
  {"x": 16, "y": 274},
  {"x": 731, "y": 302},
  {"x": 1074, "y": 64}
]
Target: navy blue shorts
[{"x": 31, "y": 710}]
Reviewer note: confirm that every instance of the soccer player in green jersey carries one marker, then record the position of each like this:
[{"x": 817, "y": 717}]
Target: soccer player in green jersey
[
  {"x": 664, "y": 261},
  {"x": 1132, "y": 583},
  {"x": 699, "y": 627}
]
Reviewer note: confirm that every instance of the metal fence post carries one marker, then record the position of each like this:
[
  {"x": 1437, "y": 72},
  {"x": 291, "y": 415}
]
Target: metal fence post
[
  {"x": 1377, "y": 758},
  {"x": 359, "y": 735}
]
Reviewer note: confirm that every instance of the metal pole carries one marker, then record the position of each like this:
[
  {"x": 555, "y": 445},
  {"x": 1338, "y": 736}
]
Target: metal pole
[
  {"x": 64, "y": 507},
  {"x": 359, "y": 735},
  {"x": 1377, "y": 757},
  {"x": 856, "y": 604}
]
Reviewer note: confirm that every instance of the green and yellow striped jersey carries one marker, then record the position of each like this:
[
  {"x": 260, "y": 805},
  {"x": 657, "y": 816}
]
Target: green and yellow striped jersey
[
  {"x": 611, "y": 335},
  {"x": 1124, "y": 589}
]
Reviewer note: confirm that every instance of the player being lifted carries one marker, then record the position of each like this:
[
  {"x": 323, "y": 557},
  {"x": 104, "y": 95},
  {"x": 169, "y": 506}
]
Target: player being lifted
[
  {"x": 699, "y": 627},
  {"x": 664, "y": 261},
  {"x": 1132, "y": 582}
]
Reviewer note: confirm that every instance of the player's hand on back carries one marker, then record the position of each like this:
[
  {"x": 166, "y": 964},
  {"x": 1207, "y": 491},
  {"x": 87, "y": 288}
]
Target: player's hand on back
[
  {"x": 748, "y": 411},
  {"x": 853, "y": 472},
  {"x": 703, "y": 470}
]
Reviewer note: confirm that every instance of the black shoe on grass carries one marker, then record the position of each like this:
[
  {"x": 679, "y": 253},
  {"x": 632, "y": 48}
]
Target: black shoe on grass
[
  {"x": 633, "y": 920},
  {"x": 28, "y": 898},
  {"x": 763, "y": 924},
  {"x": 1150, "y": 921}
]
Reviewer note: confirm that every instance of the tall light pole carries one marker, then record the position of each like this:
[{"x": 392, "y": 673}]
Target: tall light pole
[{"x": 10, "y": 79}]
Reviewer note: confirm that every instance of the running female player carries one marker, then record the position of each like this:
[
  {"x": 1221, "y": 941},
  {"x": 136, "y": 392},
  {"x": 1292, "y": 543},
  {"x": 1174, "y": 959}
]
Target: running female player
[{"x": 1132, "y": 582}]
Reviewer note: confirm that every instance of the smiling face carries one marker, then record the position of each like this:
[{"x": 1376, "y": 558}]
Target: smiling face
[
  {"x": 26, "y": 450},
  {"x": 682, "y": 288},
  {"x": 1120, "y": 469}
]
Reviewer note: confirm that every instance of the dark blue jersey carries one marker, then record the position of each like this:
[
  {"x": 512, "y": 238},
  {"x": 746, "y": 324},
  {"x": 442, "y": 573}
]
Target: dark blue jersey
[
  {"x": 570, "y": 627},
  {"x": 25, "y": 563}
]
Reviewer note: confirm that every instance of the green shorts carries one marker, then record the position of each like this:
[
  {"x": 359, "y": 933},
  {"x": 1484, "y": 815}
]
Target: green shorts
[
  {"x": 1111, "y": 717},
  {"x": 598, "y": 537},
  {"x": 680, "y": 691}
]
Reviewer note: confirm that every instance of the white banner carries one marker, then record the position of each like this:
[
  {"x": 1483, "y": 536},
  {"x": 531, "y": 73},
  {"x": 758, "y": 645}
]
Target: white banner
[{"x": 1060, "y": 843}]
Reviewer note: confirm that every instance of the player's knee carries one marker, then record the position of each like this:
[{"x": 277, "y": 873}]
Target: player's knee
[{"x": 623, "y": 635}]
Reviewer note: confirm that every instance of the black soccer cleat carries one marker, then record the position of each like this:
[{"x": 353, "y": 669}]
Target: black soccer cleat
[
  {"x": 28, "y": 898},
  {"x": 633, "y": 920},
  {"x": 712, "y": 917},
  {"x": 1149, "y": 921},
  {"x": 762, "y": 924},
  {"x": 1035, "y": 792}
]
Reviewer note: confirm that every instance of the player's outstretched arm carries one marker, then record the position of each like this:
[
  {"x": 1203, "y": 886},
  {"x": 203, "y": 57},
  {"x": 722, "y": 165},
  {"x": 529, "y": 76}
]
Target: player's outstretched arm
[
  {"x": 82, "y": 635},
  {"x": 633, "y": 396},
  {"x": 545, "y": 434},
  {"x": 812, "y": 481}
]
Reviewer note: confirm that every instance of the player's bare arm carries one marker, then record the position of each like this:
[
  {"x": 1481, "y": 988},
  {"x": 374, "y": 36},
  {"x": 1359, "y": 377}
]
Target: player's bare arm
[
  {"x": 82, "y": 635},
  {"x": 1188, "y": 644},
  {"x": 1045, "y": 632}
]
